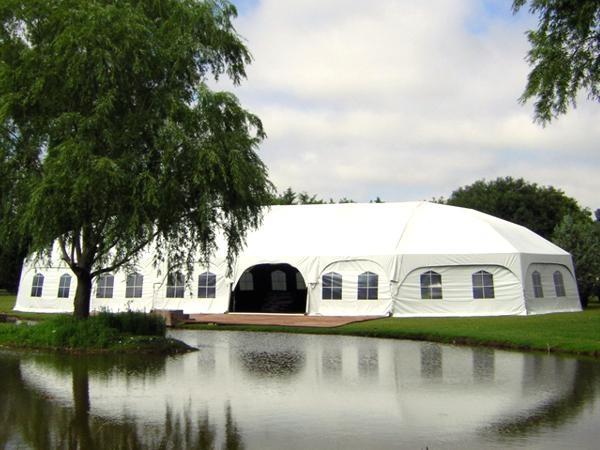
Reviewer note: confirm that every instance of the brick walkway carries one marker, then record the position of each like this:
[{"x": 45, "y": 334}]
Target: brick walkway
[{"x": 290, "y": 320}]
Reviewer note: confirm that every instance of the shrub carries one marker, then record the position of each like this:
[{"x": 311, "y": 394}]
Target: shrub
[
  {"x": 97, "y": 332},
  {"x": 63, "y": 332},
  {"x": 136, "y": 323}
]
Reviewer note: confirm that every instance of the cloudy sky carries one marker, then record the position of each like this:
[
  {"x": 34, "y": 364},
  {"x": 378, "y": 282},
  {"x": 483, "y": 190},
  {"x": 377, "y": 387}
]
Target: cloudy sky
[{"x": 405, "y": 99}]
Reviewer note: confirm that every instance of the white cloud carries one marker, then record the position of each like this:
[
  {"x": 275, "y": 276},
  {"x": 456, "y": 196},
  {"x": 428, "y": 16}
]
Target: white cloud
[{"x": 405, "y": 100}]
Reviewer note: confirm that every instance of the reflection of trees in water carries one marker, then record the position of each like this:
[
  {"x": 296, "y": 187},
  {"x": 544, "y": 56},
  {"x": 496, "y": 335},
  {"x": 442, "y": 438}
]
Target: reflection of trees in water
[
  {"x": 272, "y": 364},
  {"x": 125, "y": 365},
  {"x": 79, "y": 429},
  {"x": 558, "y": 410},
  {"x": 368, "y": 362},
  {"x": 30, "y": 419},
  {"x": 233, "y": 437},
  {"x": 23, "y": 410},
  {"x": 431, "y": 361},
  {"x": 483, "y": 364},
  {"x": 180, "y": 432},
  {"x": 331, "y": 361}
]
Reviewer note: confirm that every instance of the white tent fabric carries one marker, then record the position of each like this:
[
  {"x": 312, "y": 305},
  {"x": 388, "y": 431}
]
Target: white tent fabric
[{"x": 397, "y": 242}]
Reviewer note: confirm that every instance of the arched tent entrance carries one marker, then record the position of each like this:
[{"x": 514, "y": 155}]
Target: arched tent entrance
[{"x": 270, "y": 288}]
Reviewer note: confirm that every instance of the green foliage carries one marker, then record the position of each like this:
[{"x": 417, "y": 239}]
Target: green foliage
[
  {"x": 290, "y": 197},
  {"x": 565, "y": 54},
  {"x": 11, "y": 261},
  {"x": 131, "y": 322},
  {"x": 62, "y": 332},
  {"x": 581, "y": 238},
  {"x": 538, "y": 208},
  {"x": 123, "y": 331},
  {"x": 287, "y": 197},
  {"x": 111, "y": 139}
]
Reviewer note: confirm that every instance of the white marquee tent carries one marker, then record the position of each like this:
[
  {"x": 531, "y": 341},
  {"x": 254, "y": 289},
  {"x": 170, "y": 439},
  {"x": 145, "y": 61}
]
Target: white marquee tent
[{"x": 400, "y": 259}]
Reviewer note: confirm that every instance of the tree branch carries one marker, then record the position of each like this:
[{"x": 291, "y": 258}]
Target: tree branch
[
  {"x": 65, "y": 256},
  {"x": 126, "y": 257}
]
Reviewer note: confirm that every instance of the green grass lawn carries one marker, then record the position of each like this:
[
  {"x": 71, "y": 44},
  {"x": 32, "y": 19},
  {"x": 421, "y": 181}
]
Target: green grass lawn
[
  {"x": 577, "y": 333},
  {"x": 7, "y": 303}
]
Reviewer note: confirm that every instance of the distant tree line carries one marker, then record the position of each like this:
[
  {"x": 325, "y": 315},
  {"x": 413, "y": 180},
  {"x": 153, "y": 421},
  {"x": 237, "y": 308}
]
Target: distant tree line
[{"x": 290, "y": 197}]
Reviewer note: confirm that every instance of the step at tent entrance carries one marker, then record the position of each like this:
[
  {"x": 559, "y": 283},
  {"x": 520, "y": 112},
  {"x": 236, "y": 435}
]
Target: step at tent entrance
[{"x": 270, "y": 288}]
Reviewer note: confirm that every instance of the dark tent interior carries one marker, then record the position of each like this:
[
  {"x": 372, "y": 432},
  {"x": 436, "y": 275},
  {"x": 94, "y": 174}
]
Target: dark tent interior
[{"x": 270, "y": 288}]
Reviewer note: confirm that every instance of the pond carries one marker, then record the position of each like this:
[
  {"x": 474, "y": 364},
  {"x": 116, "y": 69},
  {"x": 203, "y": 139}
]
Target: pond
[{"x": 275, "y": 391}]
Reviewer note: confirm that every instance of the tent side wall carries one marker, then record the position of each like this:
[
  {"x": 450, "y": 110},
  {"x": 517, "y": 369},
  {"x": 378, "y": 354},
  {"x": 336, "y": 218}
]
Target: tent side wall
[
  {"x": 349, "y": 271},
  {"x": 412, "y": 298},
  {"x": 556, "y": 286},
  {"x": 153, "y": 292},
  {"x": 48, "y": 301}
]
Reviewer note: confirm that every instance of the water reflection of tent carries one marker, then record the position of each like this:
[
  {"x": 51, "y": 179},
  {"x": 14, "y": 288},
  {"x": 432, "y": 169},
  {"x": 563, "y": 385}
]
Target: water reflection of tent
[
  {"x": 404, "y": 259},
  {"x": 320, "y": 381}
]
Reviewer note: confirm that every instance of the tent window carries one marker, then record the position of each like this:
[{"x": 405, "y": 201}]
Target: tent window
[
  {"x": 431, "y": 285},
  {"x": 538, "y": 291},
  {"x": 105, "y": 286},
  {"x": 175, "y": 285},
  {"x": 483, "y": 284},
  {"x": 37, "y": 285},
  {"x": 207, "y": 285},
  {"x": 64, "y": 286},
  {"x": 332, "y": 286},
  {"x": 133, "y": 287},
  {"x": 300, "y": 285},
  {"x": 559, "y": 284},
  {"x": 247, "y": 282},
  {"x": 367, "y": 286},
  {"x": 278, "y": 282}
]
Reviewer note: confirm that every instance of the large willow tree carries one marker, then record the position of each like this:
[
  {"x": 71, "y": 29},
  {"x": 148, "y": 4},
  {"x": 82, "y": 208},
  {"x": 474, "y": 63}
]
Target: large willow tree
[
  {"x": 564, "y": 55},
  {"x": 111, "y": 138}
]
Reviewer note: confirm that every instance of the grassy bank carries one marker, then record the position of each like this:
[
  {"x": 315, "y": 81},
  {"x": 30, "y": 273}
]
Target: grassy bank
[
  {"x": 124, "y": 333},
  {"x": 574, "y": 333},
  {"x": 7, "y": 303}
]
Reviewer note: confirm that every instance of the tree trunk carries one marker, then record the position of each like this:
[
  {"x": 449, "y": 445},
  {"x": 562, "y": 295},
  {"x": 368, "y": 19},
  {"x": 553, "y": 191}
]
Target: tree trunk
[{"x": 82, "y": 295}]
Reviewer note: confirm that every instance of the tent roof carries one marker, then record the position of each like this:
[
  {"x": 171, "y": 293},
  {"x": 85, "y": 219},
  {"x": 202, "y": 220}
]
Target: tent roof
[{"x": 363, "y": 229}]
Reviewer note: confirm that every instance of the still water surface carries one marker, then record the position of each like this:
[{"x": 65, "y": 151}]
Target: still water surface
[{"x": 277, "y": 391}]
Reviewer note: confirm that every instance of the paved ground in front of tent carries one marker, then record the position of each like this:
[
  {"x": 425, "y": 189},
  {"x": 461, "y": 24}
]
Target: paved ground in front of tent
[{"x": 291, "y": 320}]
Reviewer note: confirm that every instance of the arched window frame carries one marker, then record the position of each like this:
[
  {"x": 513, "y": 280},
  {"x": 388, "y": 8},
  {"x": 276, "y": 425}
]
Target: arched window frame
[
  {"x": 331, "y": 286},
  {"x": 246, "y": 281},
  {"x": 368, "y": 286},
  {"x": 431, "y": 285},
  {"x": 105, "y": 286},
  {"x": 278, "y": 280},
  {"x": 207, "y": 285},
  {"x": 37, "y": 285},
  {"x": 483, "y": 284},
  {"x": 300, "y": 284},
  {"x": 134, "y": 285},
  {"x": 538, "y": 289},
  {"x": 175, "y": 285},
  {"x": 559, "y": 284},
  {"x": 64, "y": 286}
]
